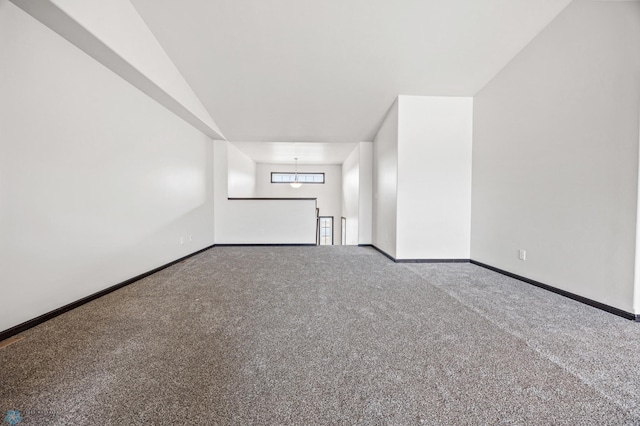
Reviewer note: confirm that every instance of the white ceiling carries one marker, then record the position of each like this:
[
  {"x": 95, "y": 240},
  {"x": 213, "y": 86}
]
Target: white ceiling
[
  {"x": 307, "y": 153},
  {"x": 328, "y": 70}
]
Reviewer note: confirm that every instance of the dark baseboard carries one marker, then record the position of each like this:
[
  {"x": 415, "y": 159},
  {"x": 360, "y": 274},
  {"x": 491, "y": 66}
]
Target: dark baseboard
[
  {"x": 45, "y": 317},
  {"x": 269, "y": 199},
  {"x": 383, "y": 252},
  {"x": 432, "y": 260},
  {"x": 419, "y": 260},
  {"x": 269, "y": 245},
  {"x": 586, "y": 301},
  {"x": 49, "y": 315}
]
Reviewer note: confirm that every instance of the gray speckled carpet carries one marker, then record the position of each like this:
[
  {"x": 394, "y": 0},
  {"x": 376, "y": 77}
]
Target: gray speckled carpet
[{"x": 325, "y": 335}]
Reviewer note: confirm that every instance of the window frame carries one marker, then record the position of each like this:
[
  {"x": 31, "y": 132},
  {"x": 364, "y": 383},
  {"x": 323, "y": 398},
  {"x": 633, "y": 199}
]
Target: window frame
[{"x": 299, "y": 174}]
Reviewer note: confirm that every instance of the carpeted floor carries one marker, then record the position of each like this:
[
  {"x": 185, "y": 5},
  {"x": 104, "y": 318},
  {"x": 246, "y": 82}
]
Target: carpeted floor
[{"x": 325, "y": 335}]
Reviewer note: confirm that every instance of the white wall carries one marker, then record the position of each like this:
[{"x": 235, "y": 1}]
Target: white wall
[
  {"x": 258, "y": 221},
  {"x": 636, "y": 302},
  {"x": 328, "y": 194},
  {"x": 357, "y": 190},
  {"x": 365, "y": 209},
  {"x": 267, "y": 222},
  {"x": 98, "y": 182},
  {"x": 555, "y": 157},
  {"x": 241, "y": 173},
  {"x": 220, "y": 187},
  {"x": 434, "y": 177},
  {"x": 351, "y": 195},
  {"x": 385, "y": 181}
]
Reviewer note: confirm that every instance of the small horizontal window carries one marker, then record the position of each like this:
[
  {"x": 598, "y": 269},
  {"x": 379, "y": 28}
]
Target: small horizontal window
[{"x": 279, "y": 177}]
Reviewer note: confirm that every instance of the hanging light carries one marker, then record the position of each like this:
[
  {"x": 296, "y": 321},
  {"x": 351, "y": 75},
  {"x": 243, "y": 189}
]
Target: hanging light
[{"x": 296, "y": 183}]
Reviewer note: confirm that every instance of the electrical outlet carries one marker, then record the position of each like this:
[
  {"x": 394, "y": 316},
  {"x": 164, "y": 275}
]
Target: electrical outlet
[
  {"x": 522, "y": 254},
  {"x": 181, "y": 240},
  {"x": 190, "y": 238}
]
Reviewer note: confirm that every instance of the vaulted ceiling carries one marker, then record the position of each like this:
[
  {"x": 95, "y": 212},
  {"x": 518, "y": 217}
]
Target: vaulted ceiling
[{"x": 328, "y": 70}]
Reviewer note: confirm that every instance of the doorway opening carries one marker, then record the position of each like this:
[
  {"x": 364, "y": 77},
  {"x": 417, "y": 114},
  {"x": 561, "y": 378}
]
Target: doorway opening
[{"x": 326, "y": 230}]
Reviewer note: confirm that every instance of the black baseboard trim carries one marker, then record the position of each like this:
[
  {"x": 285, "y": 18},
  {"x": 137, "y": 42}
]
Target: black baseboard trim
[
  {"x": 432, "y": 260},
  {"x": 578, "y": 298},
  {"x": 66, "y": 308},
  {"x": 56, "y": 312},
  {"x": 269, "y": 245},
  {"x": 383, "y": 252},
  {"x": 419, "y": 260}
]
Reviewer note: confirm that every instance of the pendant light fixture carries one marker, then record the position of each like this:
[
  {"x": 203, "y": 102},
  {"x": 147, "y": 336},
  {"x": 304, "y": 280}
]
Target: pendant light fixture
[{"x": 296, "y": 183}]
